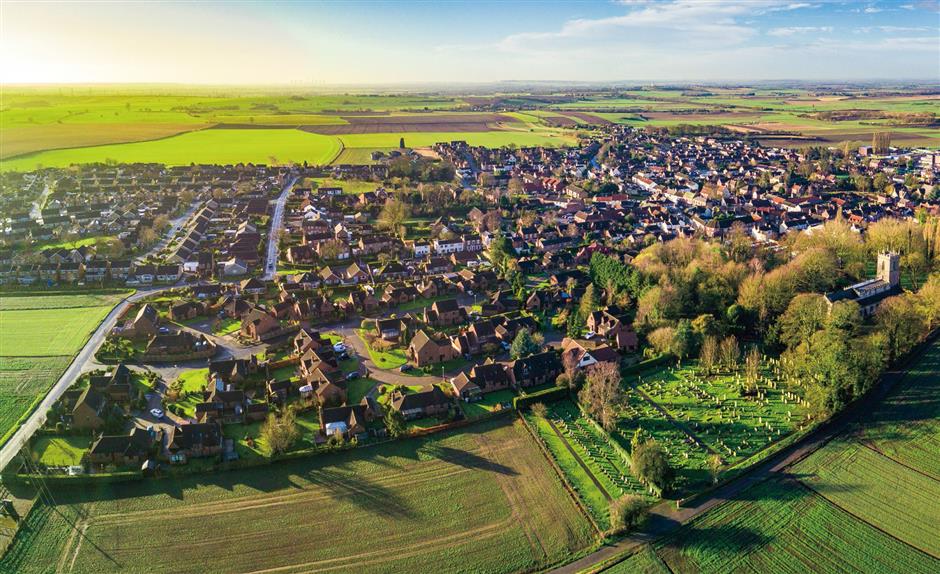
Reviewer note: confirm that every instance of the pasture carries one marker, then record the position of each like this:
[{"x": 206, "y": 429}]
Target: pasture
[
  {"x": 481, "y": 500},
  {"x": 39, "y": 335}
]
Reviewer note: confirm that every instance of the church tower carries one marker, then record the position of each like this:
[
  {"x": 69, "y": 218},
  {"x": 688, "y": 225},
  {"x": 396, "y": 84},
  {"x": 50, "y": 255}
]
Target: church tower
[{"x": 889, "y": 269}]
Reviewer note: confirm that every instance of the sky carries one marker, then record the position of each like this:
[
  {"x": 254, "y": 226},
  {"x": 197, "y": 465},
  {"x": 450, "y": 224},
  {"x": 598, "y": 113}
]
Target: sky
[{"x": 403, "y": 42}]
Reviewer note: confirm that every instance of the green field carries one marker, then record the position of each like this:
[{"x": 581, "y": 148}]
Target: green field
[
  {"x": 894, "y": 498},
  {"x": 488, "y": 139},
  {"x": 782, "y": 527},
  {"x": 39, "y": 335},
  {"x": 906, "y": 426},
  {"x": 265, "y": 146},
  {"x": 484, "y": 500}
]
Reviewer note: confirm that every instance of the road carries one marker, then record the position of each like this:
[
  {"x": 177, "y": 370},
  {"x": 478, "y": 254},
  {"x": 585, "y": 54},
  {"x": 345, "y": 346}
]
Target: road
[
  {"x": 74, "y": 370},
  {"x": 274, "y": 229},
  {"x": 168, "y": 236}
]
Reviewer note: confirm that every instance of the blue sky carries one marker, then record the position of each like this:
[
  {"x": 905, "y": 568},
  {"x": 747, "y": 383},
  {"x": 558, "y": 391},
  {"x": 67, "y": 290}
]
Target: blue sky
[{"x": 412, "y": 42}]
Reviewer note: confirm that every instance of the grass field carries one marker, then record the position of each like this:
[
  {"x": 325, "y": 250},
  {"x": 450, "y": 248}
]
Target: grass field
[
  {"x": 481, "y": 500},
  {"x": 39, "y": 335},
  {"x": 711, "y": 407},
  {"x": 221, "y": 146}
]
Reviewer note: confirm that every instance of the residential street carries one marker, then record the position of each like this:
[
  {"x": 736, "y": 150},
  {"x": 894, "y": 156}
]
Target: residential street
[{"x": 277, "y": 220}]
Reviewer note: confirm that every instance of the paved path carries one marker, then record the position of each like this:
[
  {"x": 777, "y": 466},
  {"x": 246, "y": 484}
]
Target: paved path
[
  {"x": 74, "y": 370},
  {"x": 277, "y": 220}
]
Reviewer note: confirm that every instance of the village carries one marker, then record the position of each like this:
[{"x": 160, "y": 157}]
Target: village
[{"x": 412, "y": 295}]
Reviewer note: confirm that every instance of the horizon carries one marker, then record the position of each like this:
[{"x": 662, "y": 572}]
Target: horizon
[{"x": 329, "y": 44}]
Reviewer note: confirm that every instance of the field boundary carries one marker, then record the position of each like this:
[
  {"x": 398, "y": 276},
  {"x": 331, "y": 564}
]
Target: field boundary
[
  {"x": 561, "y": 475},
  {"x": 583, "y": 465}
]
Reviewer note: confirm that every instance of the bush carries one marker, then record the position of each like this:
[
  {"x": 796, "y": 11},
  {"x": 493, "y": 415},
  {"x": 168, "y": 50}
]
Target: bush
[
  {"x": 540, "y": 410},
  {"x": 626, "y": 513}
]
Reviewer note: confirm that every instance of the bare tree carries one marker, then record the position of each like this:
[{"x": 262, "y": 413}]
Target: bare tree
[{"x": 602, "y": 395}]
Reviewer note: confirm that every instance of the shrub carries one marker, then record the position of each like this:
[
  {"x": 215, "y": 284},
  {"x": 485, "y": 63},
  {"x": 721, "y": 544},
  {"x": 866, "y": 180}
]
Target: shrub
[
  {"x": 540, "y": 410},
  {"x": 626, "y": 513}
]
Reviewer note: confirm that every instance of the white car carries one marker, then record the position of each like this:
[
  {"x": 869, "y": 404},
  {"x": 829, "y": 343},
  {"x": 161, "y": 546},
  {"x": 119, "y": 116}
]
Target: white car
[
  {"x": 157, "y": 413},
  {"x": 339, "y": 347}
]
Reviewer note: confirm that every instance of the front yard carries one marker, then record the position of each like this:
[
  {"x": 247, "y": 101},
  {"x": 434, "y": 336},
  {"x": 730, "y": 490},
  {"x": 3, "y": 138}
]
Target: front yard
[
  {"x": 390, "y": 359},
  {"x": 190, "y": 385}
]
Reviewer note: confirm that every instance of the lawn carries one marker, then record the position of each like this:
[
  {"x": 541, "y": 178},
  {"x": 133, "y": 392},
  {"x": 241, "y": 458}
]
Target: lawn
[
  {"x": 193, "y": 384},
  {"x": 59, "y": 450},
  {"x": 204, "y": 146},
  {"x": 479, "y": 500},
  {"x": 490, "y": 403},
  {"x": 391, "y": 359},
  {"x": 350, "y": 186},
  {"x": 356, "y": 389},
  {"x": 782, "y": 527},
  {"x": 227, "y": 326},
  {"x": 39, "y": 335}
]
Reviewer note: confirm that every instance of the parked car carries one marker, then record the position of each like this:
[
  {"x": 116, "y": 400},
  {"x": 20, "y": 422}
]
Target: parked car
[
  {"x": 405, "y": 368},
  {"x": 339, "y": 347},
  {"x": 352, "y": 375},
  {"x": 157, "y": 413}
]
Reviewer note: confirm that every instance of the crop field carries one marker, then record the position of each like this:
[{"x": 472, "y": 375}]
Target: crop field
[
  {"x": 220, "y": 146},
  {"x": 878, "y": 490},
  {"x": 646, "y": 561},
  {"x": 906, "y": 426},
  {"x": 482, "y": 500},
  {"x": 536, "y": 137},
  {"x": 39, "y": 334},
  {"x": 779, "y": 526},
  {"x": 712, "y": 408}
]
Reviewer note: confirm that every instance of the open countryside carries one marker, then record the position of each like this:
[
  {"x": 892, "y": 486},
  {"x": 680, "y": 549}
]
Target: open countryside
[
  {"x": 484, "y": 501},
  {"x": 396, "y": 286}
]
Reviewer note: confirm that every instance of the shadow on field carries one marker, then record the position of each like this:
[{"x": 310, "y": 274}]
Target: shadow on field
[
  {"x": 362, "y": 493},
  {"x": 717, "y": 544},
  {"x": 466, "y": 459}
]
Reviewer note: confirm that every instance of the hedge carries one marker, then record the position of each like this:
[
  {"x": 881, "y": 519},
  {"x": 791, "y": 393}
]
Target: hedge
[
  {"x": 545, "y": 395},
  {"x": 647, "y": 364}
]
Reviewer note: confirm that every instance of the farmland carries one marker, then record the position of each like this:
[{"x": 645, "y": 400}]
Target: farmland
[
  {"x": 39, "y": 334},
  {"x": 783, "y": 527},
  {"x": 484, "y": 500},
  {"x": 896, "y": 499}
]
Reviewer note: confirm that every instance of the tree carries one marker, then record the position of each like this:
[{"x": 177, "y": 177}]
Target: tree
[
  {"x": 523, "y": 345},
  {"x": 751, "y": 369},
  {"x": 651, "y": 466},
  {"x": 708, "y": 355},
  {"x": 730, "y": 352},
  {"x": 331, "y": 249},
  {"x": 394, "y": 422},
  {"x": 683, "y": 342},
  {"x": 626, "y": 512},
  {"x": 393, "y": 214},
  {"x": 401, "y": 143},
  {"x": 601, "y": 394},
  {"x": 589, "y": 302},
  {"x": 805, "y": 315},
  {"x": 280, "y": 432},
  {"x": 901, "y": 323},
  {"x": 146, "y": 237}
]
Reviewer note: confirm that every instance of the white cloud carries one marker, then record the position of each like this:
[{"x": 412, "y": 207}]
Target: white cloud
[
  {"x": 872, "y": 10},
  {"x": 794, "y": 30}
]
